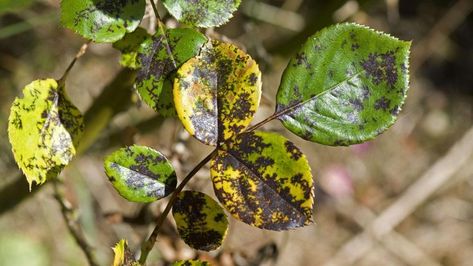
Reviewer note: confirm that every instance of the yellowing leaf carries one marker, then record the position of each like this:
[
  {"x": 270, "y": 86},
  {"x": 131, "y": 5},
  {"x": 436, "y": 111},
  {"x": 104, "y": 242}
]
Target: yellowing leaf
[
  {"x": 264, "y": 180},
  {"x": 44, "y": 129},
  {"x": 217, "y": 92},
  {"x": 200, "y": 221},
  {"x": 123, "y": 256},
  {"x": 190, "y": 263}
]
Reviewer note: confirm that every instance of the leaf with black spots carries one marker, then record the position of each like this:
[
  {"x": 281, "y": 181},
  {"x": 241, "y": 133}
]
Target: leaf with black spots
[
  {"x": 190, "y": 263},
  {"x": 203, "y": 14},
  {"x": 140, "y": 174},
  {"x": 158, "y": 58},
  {"x": 200, "y": 221},
  {"x": 264, "y": 180},
  {"x": 44, "y": 129},
  {"x": 345, "y": 86},
  {"x": 102, "y": 20},
  {"x": 130, "y": 45},
  {"x": 217, "y": 93}
]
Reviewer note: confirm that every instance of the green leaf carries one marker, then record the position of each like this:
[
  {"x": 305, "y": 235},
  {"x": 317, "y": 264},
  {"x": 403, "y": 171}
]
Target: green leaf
[
  {"x": 200, "y": 221},
  {"x": 123, "y": 256},
  {"x": 345, "y": 86},
  {"x": 44, "y": 129},
  {"x": 102, "y": 20},
  {"x": 204, "y": 14},
  {"x": 158, "y": 59},
  {"x": 140, "y": 174},
  {"x": 217, "y": 93},
  {"x": 130, "y": 45},
  {"x": 264, "y": 180},
  {"x": 190, "y": 263}
]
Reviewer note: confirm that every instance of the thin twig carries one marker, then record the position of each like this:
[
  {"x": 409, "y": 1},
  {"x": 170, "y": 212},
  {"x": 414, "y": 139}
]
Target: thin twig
[
  {"x": 148, "y": 245},
  {"x": 72, "y": 225},
  {"x": 80, "y": 53}
]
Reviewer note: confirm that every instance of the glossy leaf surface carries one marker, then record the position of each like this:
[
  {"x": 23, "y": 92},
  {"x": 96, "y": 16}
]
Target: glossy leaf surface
[
  {"x": 200, "y": 221},
  {"x": 264, "y": 180},
  {"x": 158, "y": 58},
  {"x": 191, "y": 263},
  {"x": 202, "y": 13},
  {"x": 140, "y": 174},
  {"x": 102, "y": 20},
  {"x": 217, "y": 93},
  {"x": 44, "y": 129},
  {"x": 345, "y": 86}
]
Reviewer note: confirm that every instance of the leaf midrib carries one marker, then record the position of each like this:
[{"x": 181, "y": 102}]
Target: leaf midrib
[
  {"x": 252, "y": 172},
  {"x": 330, "y": 89}
]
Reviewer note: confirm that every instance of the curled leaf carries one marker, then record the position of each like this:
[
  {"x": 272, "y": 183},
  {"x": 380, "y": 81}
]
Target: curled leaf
[
  {"x": 217, "y": 93},
  {"x": 44, "y": 129},
  {"x": 102, "y": 20},
  {"x": 158, "y": 57},
  {"x": 264, "y": 180},
  {"x": 140, "y": 174},
  {"x": 345, "y": 86},
  {"x": 204, "y": 14},
  {"x": 200, "y": 221}
]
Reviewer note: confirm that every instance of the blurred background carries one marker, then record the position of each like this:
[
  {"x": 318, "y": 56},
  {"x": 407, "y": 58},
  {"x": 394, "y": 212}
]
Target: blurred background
[{"x": 403, "y": 199}]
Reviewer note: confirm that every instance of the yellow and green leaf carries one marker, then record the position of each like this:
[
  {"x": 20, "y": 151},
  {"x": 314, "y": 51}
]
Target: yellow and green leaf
[
  {"x": 157, "y": 59},
  {"x": 123, "y": 256},
  {"x": 264, "y": 180},
  {"x": 130, "y": 46},
  {"x": 140, "y": 174},
  {"x": 44, "y": 129},
  {"x": 190, "y": 263},
  {"x": 345, "y": 86},
  {"x": 200, "y": 221},
  {"x": 217, "y": 93}
]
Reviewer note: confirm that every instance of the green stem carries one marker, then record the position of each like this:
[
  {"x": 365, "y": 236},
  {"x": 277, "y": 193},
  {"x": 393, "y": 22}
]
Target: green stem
[{"x": 148, "y": 245}]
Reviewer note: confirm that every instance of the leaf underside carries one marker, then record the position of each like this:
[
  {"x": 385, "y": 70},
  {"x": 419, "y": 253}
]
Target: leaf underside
[
  {"x": 102, "y": 20},
  {"x": 140, "y": 174},
  {"x": 44, "y": 129},
  {"x": 217, "y": 93},
  {"x": 203, "y": 14},
  {"x": 264, "y": 180},
  {"x": 345, "y": 86},
  {"x": 200, "y": 221},
  {"x": 157, "y": 60}
]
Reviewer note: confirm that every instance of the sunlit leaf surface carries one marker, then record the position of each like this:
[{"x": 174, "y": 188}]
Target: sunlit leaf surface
[
  {"x": 345, "y": 86},
  {"x": 264, "y": 180},
  {"x": 217, "y": 93},
  {"x": 44, "y": 129},
  {"x": 140, "y": 174}
]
